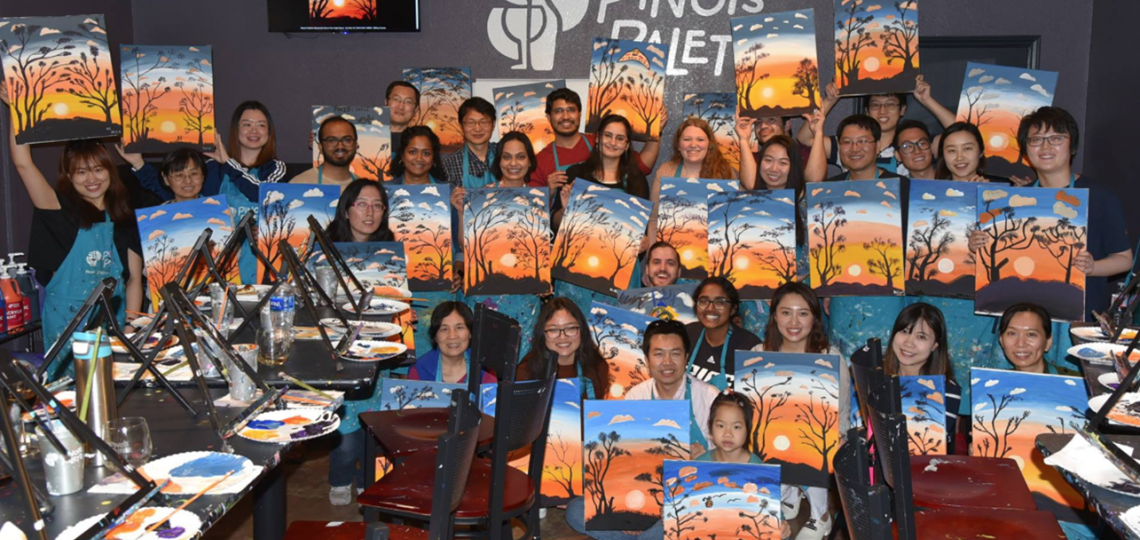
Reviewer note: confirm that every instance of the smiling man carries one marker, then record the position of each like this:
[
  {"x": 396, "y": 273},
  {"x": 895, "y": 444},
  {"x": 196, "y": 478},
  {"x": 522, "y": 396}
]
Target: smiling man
[
  {"x": 470, "y": 167},
  {"x": 403, "y": 101},
  {"x": 337, "y": 138},
  {"x": 662, "y": 265}
]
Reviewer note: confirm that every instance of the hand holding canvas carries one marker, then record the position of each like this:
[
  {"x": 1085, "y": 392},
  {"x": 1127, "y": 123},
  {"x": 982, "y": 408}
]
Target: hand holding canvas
[
  {"x": 1084, "y": 262},
  {"x": 135, "y": 160}
]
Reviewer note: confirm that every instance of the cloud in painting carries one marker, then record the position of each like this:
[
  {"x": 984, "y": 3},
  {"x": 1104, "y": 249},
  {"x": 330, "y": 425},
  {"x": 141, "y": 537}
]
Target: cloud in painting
[
  {"x": 274, "y": 196},
  {"x": 296, "y": 203},
  {"x": 592, "y": 414},
  {"x": 156, "y": 234},
  {"x": 975, "y": 72},
  {"x": 991, "y": 195},
  {"x": 157, "y": 214},
  {"x": 954, "y": 193},
  {"x": 850, "y": 193},
  {"x": 210, "y": 200},
  {"x": 1063, "y": 210},
  {"x": 947, "y": 213},
  {"x": 1002, "y": 80},
  {"x": 990, "y": 383},
  {"x": 1018, "y": 201},
  {"x": 1027, "y": 77},
  {"x": 985, "y": 79},
  {"x": 215, "y": 221},
  {"x": 1016, "y": 391},
  {"x": 1040, "y": 90},
  {"x": 665, "y": 422},
  {"x": 928, "y": 197},
  {"x": 824, "y": 363},
  {"x": 431, "y": 190},
  {"x": 890, "y": 195},
  {"x": 881, "y": 185},
  {"x": 401, "y": 193},
  {"x": 799, "y": 15},
  {"x": 621, "y": 418},
  {"x": 180, "y": 215},
  {"x": 313, "y": 193}
]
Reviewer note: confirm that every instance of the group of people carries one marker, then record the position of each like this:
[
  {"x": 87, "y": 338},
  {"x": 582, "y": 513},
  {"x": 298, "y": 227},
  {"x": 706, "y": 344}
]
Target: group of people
[{"x": 84, "y": 230}]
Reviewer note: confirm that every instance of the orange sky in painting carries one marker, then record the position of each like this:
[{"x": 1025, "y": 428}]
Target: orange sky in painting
[
  {"x": 1041, "y": 478},
  {"x": 858, "y": 232},
  {"x": 1000, "y": 134},
  {"x": 1035, "y": 262},
  {"x": 628, "y": 467},
  {"x": 748, "y": 271},
  {"x": 779, "y": 84},
  {"x": 343, "y": 8},
  {"x": 499, "y": 249},
  {"x": 958, "y": 258},
  {"x": 797, "y": 451},
  {"x": 65, "y": 105},
  {"x": 694, "y": 254},
  {"x": 872, "y": 57},
  {"x": 168, "y": 124},
  {"x": 597, "y": 259}
]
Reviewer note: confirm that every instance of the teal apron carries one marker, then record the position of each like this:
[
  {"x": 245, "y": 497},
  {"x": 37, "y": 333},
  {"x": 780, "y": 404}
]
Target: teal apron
[
  {"x": 720, "y": 380},
  {"x": 561, "y": 167},
  {"x": 239, "y": 205},
  {"x": 469, "y": 181},
  {"x": 696, "y": 436},
  {"x": 321, "y": 175},
  {"x": 92, "y": 258},
  {"x": 439, "y": 365},
  {"x": 587, "y": 383}
]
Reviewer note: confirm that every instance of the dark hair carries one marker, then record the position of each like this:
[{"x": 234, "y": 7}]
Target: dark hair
[
  {"x": 116, "y": 200},
  {"x": 1044, "y": 119},
  {"x": 496, "y": 165},
  {"x": 339, "y": 229},
  {"x": 594, "y": 366},
  {"x": 179, "y": 160},
  {"x": 396, "y": 84},
  {"x": 1023, "y": 307},
  {"x": 911, "y": 124},
  {"x": 724, "y": 283},
  {"x": 663, "y": 327},
  {"x": 900, "y": 97},
  {"x": 715, "y": 166},
  {"x": 661, "y": 244},
  {"x": 479, "y": 105},
  {"x": 442, "y": 311},
  {"x": 860, "y": 121},
  {"x": 960, "y": 127},
  {"x": 396, "y": 169},
  {"x": 564, "y": 94},
  {"x": 269, "y": 151},
  {"x": 331, "y": 119},
  {"x": 817, "y": 341},
  {"x": 593, "y": 163},
  {"x": 727, "y": 398},
  {"x": 796, "y": 167},
  {"x": 939, "y": 362}
]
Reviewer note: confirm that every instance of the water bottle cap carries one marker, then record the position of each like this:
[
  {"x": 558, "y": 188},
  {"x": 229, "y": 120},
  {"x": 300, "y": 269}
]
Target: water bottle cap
[{"x": 83, "y": 345}]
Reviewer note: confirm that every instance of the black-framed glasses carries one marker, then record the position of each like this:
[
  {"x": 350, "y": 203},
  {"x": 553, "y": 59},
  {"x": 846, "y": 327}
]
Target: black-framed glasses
[
  {"x": 889, "y": 106},
  {"x": 1054, "y": 140},
  {"x": 718, "y": 303},
  {"x": 568, "y": 331},
  {"x": 911, "y": 147},
  {"x": 333, "y": 141}
]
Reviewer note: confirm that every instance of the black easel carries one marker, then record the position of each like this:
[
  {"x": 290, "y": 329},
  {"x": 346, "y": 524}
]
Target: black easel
[{"x": 332, "y": 254}]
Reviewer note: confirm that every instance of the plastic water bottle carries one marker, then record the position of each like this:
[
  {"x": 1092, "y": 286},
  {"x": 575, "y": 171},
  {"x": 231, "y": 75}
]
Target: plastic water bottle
[{"x": 282, "y": 307}]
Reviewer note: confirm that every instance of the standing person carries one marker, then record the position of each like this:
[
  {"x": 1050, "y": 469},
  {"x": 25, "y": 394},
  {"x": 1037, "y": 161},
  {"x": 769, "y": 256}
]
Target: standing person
[
  {"x": 339, "y": 144},
  {"x": 715, "y": 337},
  {"x": 919, "y": 346},
  {"x": 781, "y": 168},
  {"x": 961, "y": 152},
  {"x": 885, "y": 110},
  {"x": 182, "y": 176},
  {"x": 403, "y": 101},
  {"x": 561, "y": 328},
  {"x": 469, "y": 167}
]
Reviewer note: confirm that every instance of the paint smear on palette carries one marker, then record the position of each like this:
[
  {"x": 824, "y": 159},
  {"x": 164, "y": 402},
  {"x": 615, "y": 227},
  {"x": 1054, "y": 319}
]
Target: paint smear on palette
[
  {"x": 137, "y": 521},
  {"x": 265, "y": 424},
  {"x": 210, "y": 465}
]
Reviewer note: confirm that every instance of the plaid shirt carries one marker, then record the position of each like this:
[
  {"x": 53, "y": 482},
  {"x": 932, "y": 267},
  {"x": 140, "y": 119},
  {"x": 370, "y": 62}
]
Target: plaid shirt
[{"x": 453, "y": 164}]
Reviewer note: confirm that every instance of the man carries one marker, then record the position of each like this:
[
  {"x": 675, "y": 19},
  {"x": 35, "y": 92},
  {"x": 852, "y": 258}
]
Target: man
[
  {"x": 337, "y": 138},
  {"x": 564, "y": 112},
  {"x": 915, "y": 150},
  {"x": 403, "y": 101},
  {"x": 470, "y": 166},
  {"x": 662, "y": 265}
]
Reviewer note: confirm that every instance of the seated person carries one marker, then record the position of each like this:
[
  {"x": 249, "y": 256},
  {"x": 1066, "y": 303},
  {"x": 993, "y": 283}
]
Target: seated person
[
  {"x": 918, "y": 346},
  {"x": 1025, "y": 332},
  {"x": 561, "y": 328},
  {"x": 450, "y": 332},
  {"x": 337, "y": 137},
  {"x": 361, "y": 214},
  {"x": 715, "y": 336}
]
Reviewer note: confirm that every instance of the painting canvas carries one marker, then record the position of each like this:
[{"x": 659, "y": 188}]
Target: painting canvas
[
  {"x": 61, "y": 85},
  {"x": 855, "y": 238},
  {"x": 683, "y": 220},
  {"x": 719, "y": 110},
  {"x": 169, "y": 232},
  {"x": 1033, "y": 236},
  {"x": 339, "y": 13},
  {"x": 672, "y": 302},
  {"x": 421, "y": 219},
  {"x": 777, "y": 71},
  {"x": 284, "y": 215},
  {"x": 995, "y": 98},
  {"x": 506, "y": 246},
  {"x": 400, "y": 394},
  {"x": 720, "y": 500},
  {"x": 628, "y": 78},
  {"x": 373, "y": 135},
  {"x": 442, "y": 91},
  {"x": 924, "y": 404},
  {"x": 752, "y": 240},
  {"x": 876, "y": 46},
  {"x": 938, "y": 259},
  {"x": 168, "y": 98},
  {"x": 1011, "y": 409},
  {"x": 522, "y": 108},
  {"x": 562, "y": 465},
  {"x": 375, "y": 264},
  {"x": 599, "y": 238},
  {"x": 618, "y": 335},
  {"x": 626, "y": 444},
  {"x": 796, "y": 417}
]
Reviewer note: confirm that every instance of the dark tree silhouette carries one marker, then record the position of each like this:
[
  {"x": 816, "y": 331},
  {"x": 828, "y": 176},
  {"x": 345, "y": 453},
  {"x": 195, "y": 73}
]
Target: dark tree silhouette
[
  {"x": 854, "y": 39},
  {"x": 33, "y": 72},
  {"x": 677, "y": 501},
  {"x": 1064, "y": 241},
  {"x": 764, "y": 523},
  {"x": 827, "y": 243},
  {"x": 442, "y": 91},
  {"x": 319, "y": 9},
  {"x": 164, "y": 262},
  {"x": 430, "y": 241},
  {"x": 818, "y": 421},
  {"x": 728, "y": 242},
  {"x": 766, "y": 401},
  {"x": 807, "y": 81},
  {"x": 622, "y": 245},
  {"x": 1009, "y": 233},
  {"x": 669, "y": 447},
  {"x": 197, "y": 101},
  {"x": 530, "y": 237},
  {"x": 406, "y": 396},
  {"x": 976, "y": 112},
  {"x": 1073, "y": 421},
  {"x": 927, "y": 245},
  {"x": 647, "y": 98},
  {"x": 368, "y": 9},
  {"x": 482, "y": 229},
  {"x": 561, "y": 451},
  {"x": 654, "y": 479},
  {"x": 607, "y": 80},
  {"x": 923, "y": 439},
  {"x": 675, "y": 215},
  {"x": 140, "y": 93},
  {"x": 884, "y": 263},
  {"x": 994, "y": 438},
  {"x": 574, "y": 232},
  {"x": 782, "y": 260},
  {"x": 746, "y": 76},
  {"x": 900, "y": 38},
  {"x": 509, "y": 119},
  {"x": 276, "y": 225},
  {"x": 92, "y": 83},
  {"x": 599, "y": 457},
  {"x": 376, "y": 165}
]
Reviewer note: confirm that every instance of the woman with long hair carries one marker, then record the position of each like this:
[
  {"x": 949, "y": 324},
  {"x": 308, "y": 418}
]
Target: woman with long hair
[
  {"x": 361, "y": 214},
  {"x": 561, "y": 328},
  {"x": 611, "y": 164},
  {"x": 919, "y": 345}
]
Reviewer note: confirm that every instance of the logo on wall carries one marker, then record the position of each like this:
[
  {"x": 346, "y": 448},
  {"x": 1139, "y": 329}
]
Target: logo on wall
[{"x": 528, "y": 30}]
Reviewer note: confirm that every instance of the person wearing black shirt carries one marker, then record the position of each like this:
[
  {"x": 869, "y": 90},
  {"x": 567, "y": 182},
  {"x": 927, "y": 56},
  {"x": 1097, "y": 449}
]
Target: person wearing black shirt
[{"x": 714, "y": 336}]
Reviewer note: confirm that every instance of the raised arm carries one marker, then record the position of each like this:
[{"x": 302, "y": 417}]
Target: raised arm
[
  {"x": 146, "y": 173},
  {"x": 816, "y": 168},
  {"x": 747, "y": 160},
  {"x": 41, "y": 192},
  {"x": 805, "y": 135},
  {"x": 922, "y": 94}
]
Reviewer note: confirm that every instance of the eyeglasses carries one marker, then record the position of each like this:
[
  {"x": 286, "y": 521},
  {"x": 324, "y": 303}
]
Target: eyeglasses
[
  {"x": 333, "y": 141},
  {"x": 848, "y": 143},
  {"x": 1054, "y": 140},
  {"x": 564, "y": 110},
  {"x": 620, "y": 139},
  {"x": 477, "y": 123},
  {"x": 363, "y": 206},
  {"x": 911, "y": 147},
  {"x": 404, "y": 101},
  {"x": 890, "y": 106},
  {"x": 568, "y": 331},
  {"x": 719, "y": 303},
  {"x": 186, "y": 177}
]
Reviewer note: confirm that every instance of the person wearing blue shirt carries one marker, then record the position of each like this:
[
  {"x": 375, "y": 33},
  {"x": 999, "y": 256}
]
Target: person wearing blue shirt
[{"x": 450, "y": 356}]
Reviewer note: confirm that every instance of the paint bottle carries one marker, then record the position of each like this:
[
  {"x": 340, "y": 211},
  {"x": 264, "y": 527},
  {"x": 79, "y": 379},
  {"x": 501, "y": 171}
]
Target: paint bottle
[
  {"x": 13, "y": 301},
  {"x": 29, "y": 289}
]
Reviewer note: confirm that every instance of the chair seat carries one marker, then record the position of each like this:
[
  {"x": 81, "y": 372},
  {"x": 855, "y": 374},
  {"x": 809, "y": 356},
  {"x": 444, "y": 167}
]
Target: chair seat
[
  {"x": 408, "y": 431},
  {"x": 942, "y": 523},
  {"x": 969, "y": 482},
  {"x": 407, "y": 490},
  {"x": 348, "y": 530}
]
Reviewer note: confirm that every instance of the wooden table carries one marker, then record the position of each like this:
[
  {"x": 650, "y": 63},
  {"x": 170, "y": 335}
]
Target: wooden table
[{"x": 1109, "y": 505}]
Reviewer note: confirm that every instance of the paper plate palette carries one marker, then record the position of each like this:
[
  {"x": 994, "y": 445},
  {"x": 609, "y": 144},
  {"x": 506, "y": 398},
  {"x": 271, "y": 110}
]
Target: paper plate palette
[
  {"x": 151, "y": 342},
  {"x": 190, "y": 473},
  {"x": 1097, "y": 352},
  {"x": 380, "y": 306},
  {"x": 166, "y": 360},
  {"x": 313, "y": 332},
  {"x": 1096, "y": 333},
  {"x": 183, "y": 525},
  {"x": 251, "y": 293},
  {"x": 290, "y": 425},
  {"x": 373, "y": 351},
  {"x": 64, "y": 397},
  {"x": 372, "y": 329},
  {"x": 1109, "y": 380},
  {"x": 1126, "y": 412}
]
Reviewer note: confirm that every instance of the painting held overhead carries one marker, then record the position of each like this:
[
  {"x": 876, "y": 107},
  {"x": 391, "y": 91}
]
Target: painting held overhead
[
  {"x": 61, "y": 84},
  {"x": 442, "y": 91},
  {"x": 506, "y": 246},
  {"x": 522, "y": 108},
  {"x": 599, "y": 238},
  {"x": 752, "y": 240},
  {"x": 618, "y": 333},
  {"x": 284, "y": 215},
  {"x": 720, "y": 500},
  {"x": 776, "y": 67},
  {"x": 628, "y": 78},
  {"x": 168, "y": 98},
  {"x": 719, "y": 110},
  {"x": 169, "y": 232},
  {"x": 876, "y": 47},
  {"x": 938, "y": 259},
  {"x": 683, "y": 220},
  {"x": 855, "y": 238},
  {"x": 420, "y": 217},
  {"x": 373, "y": 139}
]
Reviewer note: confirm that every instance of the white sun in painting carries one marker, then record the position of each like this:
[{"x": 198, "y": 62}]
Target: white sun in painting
[
  {"x": 509, "y": 260},
  {"x": 60, "y": 109},
  {"x": 1024, "y": 266},
  {"x": 945, "y": 266},
  {"x": 855, "y": 270},
  {"x": 768, "y": 92},
  {"x": 871, "y": 65},
  {"x": 616, "y": 390},
  {"x": 167, "y": 127},
  {"x": 998, "y": 141},
  {"x": 687, "y": 255},
  {"x": 635, "y": 500},
  {"x": 592, "y": 262},
  {"x": 338, "y": 3},
  {"x": 781, "y": 443},
  {"x": 741, "y": 263}
]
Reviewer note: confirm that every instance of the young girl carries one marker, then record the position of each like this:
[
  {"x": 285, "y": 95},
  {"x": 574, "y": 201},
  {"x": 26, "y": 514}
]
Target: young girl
[{"x": 919, "y": 346}]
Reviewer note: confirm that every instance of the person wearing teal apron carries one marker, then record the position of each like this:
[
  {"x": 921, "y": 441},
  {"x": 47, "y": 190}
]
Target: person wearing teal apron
[
  {"x": 477, "y": 122},
  {"x": 562, "y": 329},
  {"x": 717, "y": 304},
  {"x": 337, "y": 138}
]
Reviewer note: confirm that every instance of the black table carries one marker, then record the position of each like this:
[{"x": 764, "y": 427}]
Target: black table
[
  {"x": 1109, "y": 505},
  {"x": 1092, "y": 372}
]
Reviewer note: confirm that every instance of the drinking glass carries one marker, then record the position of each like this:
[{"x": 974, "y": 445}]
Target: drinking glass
[
  {"x": 242, "y": 387},
  {"x": 326, "y": 280},
  {"x": 273, "y": 345},
  {"x": 221, "y": 318},
  {"x": 130, "y": 437}
]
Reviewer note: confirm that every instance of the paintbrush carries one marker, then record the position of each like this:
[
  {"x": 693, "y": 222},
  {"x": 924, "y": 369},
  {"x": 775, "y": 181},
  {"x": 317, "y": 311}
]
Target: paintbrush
[
  {"x": 91, "y": 374},
  {"x": 187, "y": 503},
  {"x": 304, "y": 385}
]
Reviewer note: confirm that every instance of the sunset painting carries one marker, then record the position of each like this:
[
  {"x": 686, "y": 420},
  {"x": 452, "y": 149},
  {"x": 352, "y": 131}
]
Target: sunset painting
[
  {"x": 876, "y": 46},
  {"x": 375, "y": 264},
  {"x": 168, "y": 98},
  {"x": 626, "y": 444},
  {"x": 522, "y": 108},
  {"x": 719, "y": 110},
  {"x": 855, "y": 238},
  {"x": 169, "y": 232},
  {"x": 995, "y": 98},
  {"x": 400, "y": 394},
  {"x": 796, "y": 417},
  {"x": 628, "y": 78},
  {"x": 721, "y": 500},
  {"x": 599, "y": 238},
  {"x": 938, "y": 259},
  {"x": 683, "y": 220},
  {"x": 618, "y": 334},
  {"x": 343, "y": 12},
  {"x": 442, "y": 91},
  {"x": 373, "y": 135},
  {"x": 61, "y": 84},
  {"x": 671, "y": 302},
  {"x": 1033, "y": 236},
  {"x": 284, "y": 215},
  {"x": 420, "y": 217},
  {"x": 752, "y": 240},
  {"x": 777, "y": 73},
  {"x": 506, "y": 248},
  {"x": 1011, "y": 409},
  {"x": 562, "y": 465},
  {"x": 924, "y": 404}
]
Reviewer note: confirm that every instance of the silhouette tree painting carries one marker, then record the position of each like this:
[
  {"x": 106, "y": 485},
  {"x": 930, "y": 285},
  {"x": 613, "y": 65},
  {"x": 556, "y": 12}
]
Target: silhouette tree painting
[
  {"x": 1063, "y": 241},
  {"x": 826, "y": 241},
  {"x": 163, "y": 264},
  {"x": 34, "y": 68},
  {"x": 564, "y": 453},
  {"x": 992, "y": 430},
  {"x": 509, "y": 119},
  {"x": 599, "y": 457},
  {"x": 319, "y": 9},
  {"x": 607, "y": 78},
  {"x": 884, "y": 262},
  {"x": 747, "y": 76},
  {"x": 763, "y": 522},
  {"x": 442, "y": 91},
  {"x": 900, "y": 37},
  {"x": 731, "y": 228},
  {"x": 923, "y": 415},
  {"x": 575, "y": 232},
  {"x": 530, "y": 237},
  {"x": 1004, "y": 232},
  {"x": 818, "y": 421},
  {"x": 406, "y": 394},
  {"x": 376, "y": 164},
  {"x": 928, "y": 244},
  {"x": 807, "y": 81},
  {"x": 92, "y": 77},
  {"x": 782, "y": 260},
  {"x": 622, "y": 243},
  {"x": 276, "y": 224},
  {"x": 617, "y": 333},
  {"x": 766, "y": 400},
  {"x": 977, "y": 113},
  {"x": 1069, "y": 421},
  {"x": 197, "y": 101},
  {"x": 368, "y": 9},
  {"x": 647, "y": 99},
  {"x": 140, "y": 92},
  {"x": 678, "y": 214},
  {"x": 426, "y": 234},
  {"x": 484, "y": 221},
  {"x": 852, "y": 36},
  {"x": 679, "y": 521}
]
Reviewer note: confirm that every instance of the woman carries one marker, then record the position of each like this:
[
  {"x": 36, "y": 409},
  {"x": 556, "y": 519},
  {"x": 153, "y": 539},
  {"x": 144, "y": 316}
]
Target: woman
[
  {"x": 361, "y": 214},
  {"x": 561, "y": 329},
  {"x": 961, "y": 155},
  {"x": 714, "y": 336},
  {"x": 83, "y": 230},
  {"x": 448, "y": 359},
  {"x": 796, "y": 326},
  {"x": 610, "y": 164},
  {"x": 1026, "y": 335},
  {"x": 919, "y": 346},
  {"x": 696, "y": 154},
  {"x": 181, "y": 177}
]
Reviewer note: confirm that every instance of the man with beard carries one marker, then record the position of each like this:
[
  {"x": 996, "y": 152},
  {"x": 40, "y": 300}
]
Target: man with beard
[{"x": 337, "y": 138}]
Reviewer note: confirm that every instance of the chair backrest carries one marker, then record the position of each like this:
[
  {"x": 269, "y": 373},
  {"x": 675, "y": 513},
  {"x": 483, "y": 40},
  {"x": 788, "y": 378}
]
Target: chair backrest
[
  {"x": 495, "y": 348},
  {"x": 866, "y": 508},
  {"x": 453, "y": 463},
  {"x": 893, "y": 451},
  {"x": 867, "y": 370}
]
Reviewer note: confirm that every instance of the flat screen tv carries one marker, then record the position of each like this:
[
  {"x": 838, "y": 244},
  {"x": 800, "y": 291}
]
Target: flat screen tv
[{"x": 344, "y": 15}]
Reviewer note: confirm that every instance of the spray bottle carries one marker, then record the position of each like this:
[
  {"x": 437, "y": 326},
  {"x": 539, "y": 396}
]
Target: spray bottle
[{"x": 13, "y": 300}]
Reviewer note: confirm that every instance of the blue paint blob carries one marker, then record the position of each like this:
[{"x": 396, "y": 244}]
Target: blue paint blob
[
  {"x": 266, "y": 424},
  {"x": 173, "y": 532},
  {"x": 1089, "y": 353},
  {"x": 210, "y": 465}
]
